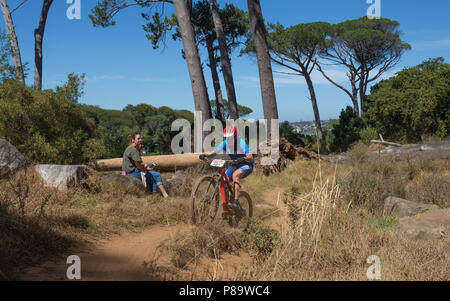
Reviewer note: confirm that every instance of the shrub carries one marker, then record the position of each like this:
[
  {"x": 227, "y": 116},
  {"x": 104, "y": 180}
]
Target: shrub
[
  {"x": 412, "y": 104},
  {"x": 346, "y": 131},
  {"x": 430, "y": 187},
  {"x": 260, "y": 240},
  {"x": 46, "y": 126}
]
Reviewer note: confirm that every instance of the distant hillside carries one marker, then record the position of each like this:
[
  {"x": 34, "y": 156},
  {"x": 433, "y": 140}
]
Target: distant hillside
[{"x": 309, "y": 127}]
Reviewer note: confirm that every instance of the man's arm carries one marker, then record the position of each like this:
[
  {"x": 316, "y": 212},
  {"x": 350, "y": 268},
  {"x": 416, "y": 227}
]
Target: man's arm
[{"x": 142, "y": 166}]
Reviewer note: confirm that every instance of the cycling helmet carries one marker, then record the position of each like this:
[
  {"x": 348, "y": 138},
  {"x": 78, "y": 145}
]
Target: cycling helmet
[{"x": 229, "y": 131}]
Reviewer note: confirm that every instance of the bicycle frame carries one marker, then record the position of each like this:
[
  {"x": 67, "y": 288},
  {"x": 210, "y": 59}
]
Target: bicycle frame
[{"x": 224, "y": 178}]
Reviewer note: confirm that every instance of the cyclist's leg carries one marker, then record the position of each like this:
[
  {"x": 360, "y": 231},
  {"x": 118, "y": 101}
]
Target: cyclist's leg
[
  {"x": 229, "y": 172},
  {"x": 240, "y": 173}
]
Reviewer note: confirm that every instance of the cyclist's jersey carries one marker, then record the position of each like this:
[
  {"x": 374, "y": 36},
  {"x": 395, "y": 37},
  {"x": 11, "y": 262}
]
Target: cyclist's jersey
[{"x": 242, "y": 149}]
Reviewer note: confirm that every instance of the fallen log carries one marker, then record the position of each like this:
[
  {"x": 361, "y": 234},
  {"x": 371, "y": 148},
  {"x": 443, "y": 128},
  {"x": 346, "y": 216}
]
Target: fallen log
[
  {"x": 166, "y": 163},
  {"x": 385, "y": 143}
]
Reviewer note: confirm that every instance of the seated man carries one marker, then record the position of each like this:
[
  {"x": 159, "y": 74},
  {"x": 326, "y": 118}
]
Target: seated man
[
  {"x": 241, "y": 152},
  {"x": 132, "y": 165}
]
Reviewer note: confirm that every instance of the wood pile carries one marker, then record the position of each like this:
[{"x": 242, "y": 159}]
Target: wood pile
[{"x": 287, "y": 154}]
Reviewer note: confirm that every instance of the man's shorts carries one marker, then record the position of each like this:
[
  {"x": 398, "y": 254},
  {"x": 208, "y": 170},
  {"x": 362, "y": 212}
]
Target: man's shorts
[{"x": 246, "y": 170}]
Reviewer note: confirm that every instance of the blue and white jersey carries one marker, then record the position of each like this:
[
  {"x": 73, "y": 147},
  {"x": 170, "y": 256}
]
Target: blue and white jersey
[{"x": 242, "y": 149}]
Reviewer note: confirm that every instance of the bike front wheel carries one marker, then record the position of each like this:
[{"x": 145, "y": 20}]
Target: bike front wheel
[{"x": 204, "y": 200}]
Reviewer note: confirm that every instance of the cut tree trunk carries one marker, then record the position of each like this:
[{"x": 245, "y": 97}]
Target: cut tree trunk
[
  {"x": 198, "y": 84},
  {"x": 384, "y": 143},
  {"x": 38, "y": 38},
  {"x": 17, "y": 60},
  {"x": 225, "y": 61},
  {"x": 163, "y": 162},
  {"x": 264, "y": 63}
]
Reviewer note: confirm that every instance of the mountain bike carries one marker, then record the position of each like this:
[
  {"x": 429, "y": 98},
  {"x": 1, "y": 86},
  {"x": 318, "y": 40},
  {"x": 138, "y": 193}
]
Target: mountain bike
[{"x": 209, "y": 190}]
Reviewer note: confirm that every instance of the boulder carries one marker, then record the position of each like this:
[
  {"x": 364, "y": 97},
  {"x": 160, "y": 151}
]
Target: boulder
[
  {"x": 61, "y": 176},
  {"x": 176, "y": 180},
  {"x": 432, "y": 224},
  {"x": 401, "y": 207},
  {"x": 11, "y": 159},
  {"x": 123, "y": 180}
]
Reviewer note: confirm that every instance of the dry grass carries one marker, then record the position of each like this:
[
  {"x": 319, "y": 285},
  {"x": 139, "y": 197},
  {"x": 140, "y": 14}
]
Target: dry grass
[
  {"x": 328, "y": 220},
  {"x": 372, "y": 178},
  {"x": 323, "y": 238},
  {"x": 38, "y": 222},
  {"x": 210, "y": 239}
]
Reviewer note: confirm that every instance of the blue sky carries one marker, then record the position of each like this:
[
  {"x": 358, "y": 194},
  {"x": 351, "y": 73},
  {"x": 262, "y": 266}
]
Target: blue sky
[{"x": 122, "y": 68}]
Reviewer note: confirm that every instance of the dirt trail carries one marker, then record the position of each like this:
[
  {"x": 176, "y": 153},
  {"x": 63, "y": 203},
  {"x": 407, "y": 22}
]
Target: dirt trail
[
  {"x": 122, "y": 257},
  {"x": 119, "y": 258}
]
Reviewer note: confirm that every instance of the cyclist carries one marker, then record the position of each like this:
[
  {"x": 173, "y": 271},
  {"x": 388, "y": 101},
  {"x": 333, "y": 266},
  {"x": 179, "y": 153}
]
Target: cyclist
[{"x": 241, "y": 153}]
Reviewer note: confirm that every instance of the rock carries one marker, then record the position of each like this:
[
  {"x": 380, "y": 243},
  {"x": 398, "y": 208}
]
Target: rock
[
  {"x": 11, "y": 159},
  {"x": 123, "y": 180},
  {"x": 61, "y": 176},
  {"x": 176, "y": 180},
  {"x": 402, "y": 207},
  {"x": 264, "y": 209},
  {"x": 428, "y": 225}
]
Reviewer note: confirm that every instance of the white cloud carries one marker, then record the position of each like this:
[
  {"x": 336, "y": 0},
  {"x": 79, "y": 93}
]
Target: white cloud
[
  {"x": 97, "y": 78},
  {"x": 337, "y": 75},
  {"x": 423, "y": 45}
]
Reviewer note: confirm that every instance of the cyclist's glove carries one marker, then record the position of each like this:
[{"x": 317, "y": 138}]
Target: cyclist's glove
[{"x": 202, "y": 157}]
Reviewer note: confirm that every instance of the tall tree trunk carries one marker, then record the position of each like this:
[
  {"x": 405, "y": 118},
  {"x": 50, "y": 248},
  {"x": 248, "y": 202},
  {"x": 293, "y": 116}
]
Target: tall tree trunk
[
  {"x": 264, "y": 64},
  {"x": 362, "y": 90},
  {"x": 17, "y": 60},
  {"x": 198, "y": 84},
  {"x": 38, "y": 38},
  {"x": 216, "y": 82},
  {"x": 355, "y": 96},
  {"x": 225, "y": 61},
  {"x": 314, "y": 106}
]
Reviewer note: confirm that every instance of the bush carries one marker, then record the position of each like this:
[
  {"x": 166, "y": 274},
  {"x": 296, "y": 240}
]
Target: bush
[
  {"x": 412, "y": 104},
  {"x": 46, "y": 126},
  {"x": 260, "y": 240},
  {"x": 346, "y": 131},
  {"x": 430, "y": 187}
]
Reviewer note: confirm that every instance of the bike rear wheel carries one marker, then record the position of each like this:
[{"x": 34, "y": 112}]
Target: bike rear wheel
[
  {"x": 241, "y": 217},
  {"x": 204, "y": 200}
]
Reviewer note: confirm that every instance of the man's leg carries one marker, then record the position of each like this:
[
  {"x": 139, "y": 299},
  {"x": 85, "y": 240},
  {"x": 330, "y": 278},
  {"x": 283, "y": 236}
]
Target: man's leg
[{"x": 157, "y": 183}]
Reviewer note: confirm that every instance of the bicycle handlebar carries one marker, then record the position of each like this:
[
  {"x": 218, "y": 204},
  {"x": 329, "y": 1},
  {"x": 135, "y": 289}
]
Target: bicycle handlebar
[{"x": 226, "y": 160}]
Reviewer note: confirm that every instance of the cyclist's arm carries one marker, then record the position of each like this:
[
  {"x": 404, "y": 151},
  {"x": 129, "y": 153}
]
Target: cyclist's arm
[
  {"x": 248, "y": 154},
  {"x": 210, "y": 154},
  {"x": 249, "y": 157},
  {"x": 220, "y": 147}
]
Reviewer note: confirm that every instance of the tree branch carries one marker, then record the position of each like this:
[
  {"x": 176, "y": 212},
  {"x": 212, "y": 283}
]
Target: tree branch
[
  {"x": 333, "y": 82},
  {"x": 17, "y": 7}
]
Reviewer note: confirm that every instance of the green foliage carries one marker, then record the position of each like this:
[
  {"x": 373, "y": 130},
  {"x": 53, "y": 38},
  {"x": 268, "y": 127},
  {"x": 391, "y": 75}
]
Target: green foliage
[
  {"x": 346, "y": 131},
  {"x": 73, "y": 88},
  {"x": 46, "y": 125},
  {"x": 287, "y": 131},
  {"x": 6, "y": 69},
  {"x": 413, "y": 104},
  {"x": 234, "y": 20},
  {"x": 113, "y": 126},
  {"x": 153, "y": 123},
  {"x": 368, "y": 133},
  {"x": 242, "y": 110}
]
